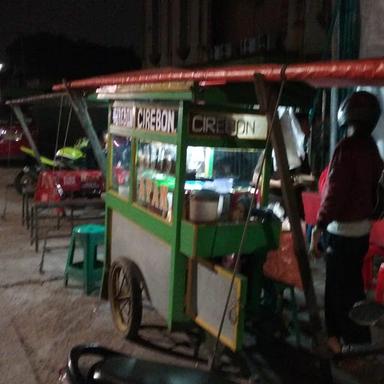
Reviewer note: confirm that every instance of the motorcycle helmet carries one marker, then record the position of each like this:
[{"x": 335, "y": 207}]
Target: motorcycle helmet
[{"x": 361, "y": 109}]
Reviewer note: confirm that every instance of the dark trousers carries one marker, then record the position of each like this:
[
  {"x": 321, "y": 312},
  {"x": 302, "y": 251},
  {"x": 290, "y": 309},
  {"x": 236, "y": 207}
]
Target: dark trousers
[{"x": 344, "y": 286}]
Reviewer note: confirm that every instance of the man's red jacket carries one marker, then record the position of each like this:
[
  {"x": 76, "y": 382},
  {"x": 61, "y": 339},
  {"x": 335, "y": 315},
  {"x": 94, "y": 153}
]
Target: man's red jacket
[{"x": 350, "y": 191}]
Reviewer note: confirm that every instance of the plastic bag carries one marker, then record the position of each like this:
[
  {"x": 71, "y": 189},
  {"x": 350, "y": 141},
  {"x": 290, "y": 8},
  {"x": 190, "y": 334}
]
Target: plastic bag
[{"x": 281, "y": 265}]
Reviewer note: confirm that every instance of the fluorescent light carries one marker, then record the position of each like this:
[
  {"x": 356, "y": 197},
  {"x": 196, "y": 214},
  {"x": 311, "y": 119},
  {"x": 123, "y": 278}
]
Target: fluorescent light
[{"x": 1, "y": 66}]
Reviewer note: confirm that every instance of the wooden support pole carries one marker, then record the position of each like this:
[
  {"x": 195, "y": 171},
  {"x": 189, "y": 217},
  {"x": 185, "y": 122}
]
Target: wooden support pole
[
  {"x": 267, "y": 99},
  {"x": 20, "y": 117},
  {"x": 80, "y": 107}
]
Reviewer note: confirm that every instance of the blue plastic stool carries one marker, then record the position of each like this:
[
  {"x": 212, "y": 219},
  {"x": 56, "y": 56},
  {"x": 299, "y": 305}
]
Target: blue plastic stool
[{"x": 90, "y": 269}]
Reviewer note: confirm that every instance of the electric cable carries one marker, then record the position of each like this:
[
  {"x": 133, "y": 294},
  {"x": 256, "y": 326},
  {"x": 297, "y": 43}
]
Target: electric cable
[
  {"x": 243, "y": 236},
  {"x": 67, "y": 128},
  {"x": 58, "y": 127}
]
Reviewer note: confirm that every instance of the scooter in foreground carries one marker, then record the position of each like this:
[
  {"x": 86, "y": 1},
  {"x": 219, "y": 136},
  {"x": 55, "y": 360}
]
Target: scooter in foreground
[{"x": 117, "y": 368}]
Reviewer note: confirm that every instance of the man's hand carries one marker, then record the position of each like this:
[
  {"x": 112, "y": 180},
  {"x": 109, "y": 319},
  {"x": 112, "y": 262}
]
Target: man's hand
[
  {"x": 303, "y": 180},
  {"x": 315, "y": 237}
]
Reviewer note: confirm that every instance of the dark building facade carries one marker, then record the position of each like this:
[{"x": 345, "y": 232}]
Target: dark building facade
[{"x": 190, "y": 32}]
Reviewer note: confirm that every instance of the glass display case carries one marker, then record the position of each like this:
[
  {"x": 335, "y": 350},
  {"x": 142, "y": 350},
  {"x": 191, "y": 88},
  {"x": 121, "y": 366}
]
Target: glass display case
[
  {"x": 155, "y": 177},
  {"x": 225, "y": 171},
  {"x": 121, "y": 158}
]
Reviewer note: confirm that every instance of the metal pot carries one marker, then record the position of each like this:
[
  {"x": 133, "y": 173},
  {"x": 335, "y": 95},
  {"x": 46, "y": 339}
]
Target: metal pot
[{"x": 203, "y": 206}]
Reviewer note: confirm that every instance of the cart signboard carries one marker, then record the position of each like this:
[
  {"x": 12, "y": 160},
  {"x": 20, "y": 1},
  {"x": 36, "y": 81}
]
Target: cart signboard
[
  {"x": 242, "y": 126},
  {"x": 145, "y": 117}
]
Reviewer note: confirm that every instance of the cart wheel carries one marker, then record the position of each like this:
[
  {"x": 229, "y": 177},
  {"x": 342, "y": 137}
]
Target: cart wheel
[{"x": 125, "y": 297}]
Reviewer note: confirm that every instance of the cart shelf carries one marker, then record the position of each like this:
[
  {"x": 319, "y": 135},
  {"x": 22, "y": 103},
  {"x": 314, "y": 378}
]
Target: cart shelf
[{"x": 220, "y": 239}]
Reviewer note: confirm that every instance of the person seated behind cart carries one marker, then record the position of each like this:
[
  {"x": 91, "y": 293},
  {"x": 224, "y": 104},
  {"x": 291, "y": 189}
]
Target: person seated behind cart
[
  {"x": 345, "y": 214},
  {"x": 233, "y": 164},
  {"x": 297, "y": 162}
]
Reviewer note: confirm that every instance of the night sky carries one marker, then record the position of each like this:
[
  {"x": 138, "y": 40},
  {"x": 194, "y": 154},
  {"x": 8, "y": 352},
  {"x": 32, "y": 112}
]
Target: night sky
[{"x": 105, "y": 22}]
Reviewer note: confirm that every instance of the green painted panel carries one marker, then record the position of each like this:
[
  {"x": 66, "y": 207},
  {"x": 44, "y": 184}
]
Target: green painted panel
[
  {"x": 241, "y": 320},
  {"x": 144, "y": 219},
  {"x": 255, "y": 277},
  {"x": 153, "y": 136},
  {"x": 225, "y": 108},
  {"x": 150, "y": 96},
  {"x": 178, "y": 261},
  {"x": 215, "y": 240},
  {"x": 227, "y": 142}
]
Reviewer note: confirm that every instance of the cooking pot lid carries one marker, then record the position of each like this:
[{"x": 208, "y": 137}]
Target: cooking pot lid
[{"x": 206, "y": 195}]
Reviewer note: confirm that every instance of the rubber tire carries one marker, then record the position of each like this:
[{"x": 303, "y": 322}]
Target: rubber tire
[
  {"x": 19, "y": 182},
  {"x": 129, "y": 327}
]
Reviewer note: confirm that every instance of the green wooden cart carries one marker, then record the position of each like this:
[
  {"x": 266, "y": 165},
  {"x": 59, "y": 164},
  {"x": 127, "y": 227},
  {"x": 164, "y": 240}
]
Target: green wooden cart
[{"x": 158, "y": 136}]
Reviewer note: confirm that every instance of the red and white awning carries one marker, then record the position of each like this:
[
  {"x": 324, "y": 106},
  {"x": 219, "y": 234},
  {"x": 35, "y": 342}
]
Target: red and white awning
[{"x": 346, "y": 73}]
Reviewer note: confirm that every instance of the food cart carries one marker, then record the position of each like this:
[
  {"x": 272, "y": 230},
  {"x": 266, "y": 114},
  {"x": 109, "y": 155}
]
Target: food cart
[
  {"x": 177, "y": 165},
  {"x": 160, "y": 122}
]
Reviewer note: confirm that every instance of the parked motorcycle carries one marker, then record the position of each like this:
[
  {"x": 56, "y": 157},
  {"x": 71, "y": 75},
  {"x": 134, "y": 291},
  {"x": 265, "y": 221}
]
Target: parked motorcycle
[
  {"x": 68, "y": 158},
  {"x": 117, "y": 368},
  {"x": 26, "y": 179}
]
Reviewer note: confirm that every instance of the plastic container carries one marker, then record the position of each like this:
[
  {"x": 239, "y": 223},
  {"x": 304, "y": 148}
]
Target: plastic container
[
  {"x": 224, "y": 206},
  {"x": 311, "y": 203},
  {"x": 203, "y": 206},
  {"x": 223, "y": 185},
  {"x": 123, "y": 190}
]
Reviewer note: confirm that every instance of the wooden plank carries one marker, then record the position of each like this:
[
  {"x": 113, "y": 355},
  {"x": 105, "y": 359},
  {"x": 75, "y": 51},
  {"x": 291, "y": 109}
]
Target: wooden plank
[
  {"x": 207, "y": 293},
  {"x": 267, "y": 100}
]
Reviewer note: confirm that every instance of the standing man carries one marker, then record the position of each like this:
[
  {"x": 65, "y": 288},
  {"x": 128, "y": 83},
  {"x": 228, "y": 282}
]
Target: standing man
[{"x": 345, "y": 214}]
